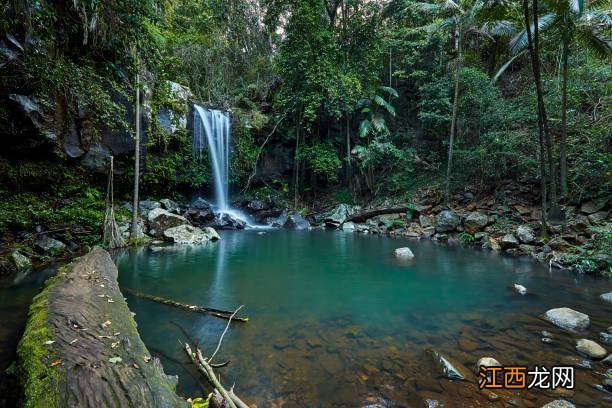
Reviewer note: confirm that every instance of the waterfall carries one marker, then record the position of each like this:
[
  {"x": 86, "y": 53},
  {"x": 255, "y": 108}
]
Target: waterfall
[{"x": 211, "y": 128}]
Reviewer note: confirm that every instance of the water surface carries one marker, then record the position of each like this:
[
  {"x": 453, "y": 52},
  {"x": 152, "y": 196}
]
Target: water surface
[{"x": 337, "y": 321}]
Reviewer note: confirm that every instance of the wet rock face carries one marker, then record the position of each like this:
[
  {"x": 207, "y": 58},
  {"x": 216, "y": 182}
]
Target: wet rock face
[
  {"x": 339, "y": 215},
  {"x": 509, "y": 241},
  {"x": 525, "y": 234},
  {"x": 170, "y": 205},
  {"x": 20, "y": 261},
  {"x": 447, "y": 221},
  {"x": 567, "y": 318}
]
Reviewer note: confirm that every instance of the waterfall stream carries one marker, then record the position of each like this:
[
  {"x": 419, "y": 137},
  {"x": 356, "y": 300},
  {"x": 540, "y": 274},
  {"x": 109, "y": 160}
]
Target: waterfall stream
[{"x": 211, "y": 128}]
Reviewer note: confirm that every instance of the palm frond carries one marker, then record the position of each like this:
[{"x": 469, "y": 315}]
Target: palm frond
[
  {"x": 520, "y": 41},
  {"x": 593, "y": 42},
  {"x": 506, "y": 65},
  {"x": 592, "y": 18},
  {"x": 380, "y": 101},
  {"x": 389, "y": 90},
  {"x": 365, "y": 128},
  {"x": 378, "y": 123}
]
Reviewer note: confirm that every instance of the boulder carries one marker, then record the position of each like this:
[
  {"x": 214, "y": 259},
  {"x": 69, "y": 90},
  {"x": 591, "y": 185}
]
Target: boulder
[
  {"x": 558, "y": 244},
  {"x": 160, "y": 220},
  {"x": 169, "y": 205},
  {"x": 475, "y": 222},
  {"x": 525, "y": 234},
  {"x": 200, "y": 217},
  {"x": 598, "y": 217},
  {"x": 447, "y": 367},
  {"x": 425, "y": 221},
  {"x": 348, "y": 226},
  {"x": 147, "y": 205},
  {"x": 579, "y": 222},
  {"x": 606, "y": 297},
  {"x": 559, "y": 404},
  {"x": 404, "y": 253},
  {"x": 576, "y": 361},
  {"x": 20, "y": 261},
  {"x": 447, "y": 221},
  {"x": 201, "y": 204},
  {"x": 590, "y": 349},
  {"x": 487, "y": 362},
  {"x": 339, "y": 215},
  {"x": 607, "y": 361},
  {"x": 50, "y": 246},
  {"x": 593, "y": 206},
  {"x": 227, "y": 221},
  {"x": 606, "y": 338},
  {"x": 509, "y": 241},
  {"x": 520, "y": 289},
  {"x": 277, "y": 222},
  {"x": 296, "y": 222},
  {"x": 567, "y": 318},
  {"x": 258, "y": 205},
  {"x": 187, "y": 234}
]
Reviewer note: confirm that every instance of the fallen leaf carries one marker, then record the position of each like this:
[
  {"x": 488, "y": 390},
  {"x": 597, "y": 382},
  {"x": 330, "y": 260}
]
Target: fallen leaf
[
  {"x": 147, "y": 359},
  {"x": 106, "y": 324},
  {"x": 101, "y": 296},
  {"x": 56, "y": 362},
  {"x": 74, "y": 341},
  {"x": 115, "y": 360},
  {"x": 116, "y": 334},
  {"x": 104, "y": 337},
  {"x": 49, "y": 342},
  {"x": 136, "y": 365},
  {"x": 110, "y": 301},
  {"x": 101, "y": 285},
  {"x": 115, "y": 344}
]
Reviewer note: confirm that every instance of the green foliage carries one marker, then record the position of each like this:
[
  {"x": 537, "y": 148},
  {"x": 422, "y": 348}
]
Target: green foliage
[
  {"x": 323, "y": 160},
  {"x": 466, "y": 238}
]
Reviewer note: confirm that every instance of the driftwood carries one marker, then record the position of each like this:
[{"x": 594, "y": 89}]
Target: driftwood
[
  {"x": 222, "y": 314},
  {"x": 367, "y": 214},
  {"x": 232, "y": 399}
]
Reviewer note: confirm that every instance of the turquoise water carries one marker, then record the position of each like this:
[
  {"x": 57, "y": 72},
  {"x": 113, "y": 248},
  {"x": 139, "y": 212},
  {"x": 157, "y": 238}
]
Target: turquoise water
[{"x": 337, "y": 321}]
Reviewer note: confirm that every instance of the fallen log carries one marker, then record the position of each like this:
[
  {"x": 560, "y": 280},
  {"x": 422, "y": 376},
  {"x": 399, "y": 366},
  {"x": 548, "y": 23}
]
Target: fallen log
[
  {"x": 222, "y": 314},
  {"x": 367, "y": 214},
  {"x": 229, "y": 396}
]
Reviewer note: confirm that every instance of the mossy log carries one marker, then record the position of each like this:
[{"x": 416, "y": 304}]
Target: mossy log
[
  {"x": 222, "y": 314},
  {"x": 81, "y": 346},
  {"x": 371, "y": 213}
]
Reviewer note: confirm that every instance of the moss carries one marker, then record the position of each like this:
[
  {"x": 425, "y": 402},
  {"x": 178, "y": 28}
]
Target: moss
[{"x": 40, "y": 381}]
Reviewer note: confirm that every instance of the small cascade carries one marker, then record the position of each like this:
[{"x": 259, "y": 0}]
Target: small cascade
[
  {"x": 211, "y": 128},
  {"x": 211, "y": 131}
]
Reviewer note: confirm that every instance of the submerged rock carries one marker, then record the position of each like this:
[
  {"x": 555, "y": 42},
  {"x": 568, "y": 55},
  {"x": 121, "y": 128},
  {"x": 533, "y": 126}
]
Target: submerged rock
[
  {"x": 50, "y": 246},
  {"x": 20, "y": 261},
  {"x": 607, "y": 297},
  {"x": 567, "y": 318},
  {"x": 559, "y": 404},
  {"x": 520, "y": 289},
  {"x": 187, "y": 234},
  {"x": 575, "y": 361},
  {"x": 605, "y": 338},
  {"x": 160, "y": 220},
  {"x": 295, "y": 221},
  {"x": 591, "y": 349},
  {"x": 448, "y": 368},
  {"x": 487, "y": 362},
  {"x": 404, "y": 253},
  {"x": 447, "y": 221}
]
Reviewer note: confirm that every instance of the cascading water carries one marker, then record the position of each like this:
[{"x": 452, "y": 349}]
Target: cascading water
[{"x": 211, "y": 128}]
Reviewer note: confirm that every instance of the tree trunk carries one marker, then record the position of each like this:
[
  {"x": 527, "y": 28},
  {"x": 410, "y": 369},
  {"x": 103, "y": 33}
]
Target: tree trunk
[
  {"x": 540, "y": 124},
  {"x": 451, "y": 140},
  {"x": 296, "y": 166},
  {"x": 493, "y": 58},
  {"x": 563, "y": 141},
  {"x": 553, "y": 207},
  {"x": 349, "y": 170},
  {"x": 134, "y": 233}
]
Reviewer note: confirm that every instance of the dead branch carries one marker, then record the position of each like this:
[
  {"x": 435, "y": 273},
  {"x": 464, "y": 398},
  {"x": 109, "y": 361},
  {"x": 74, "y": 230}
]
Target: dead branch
[
  {"x": 224, "y": 331},
  {"x": 222, "y": 314},
  {"x": 248, "y": 184}
]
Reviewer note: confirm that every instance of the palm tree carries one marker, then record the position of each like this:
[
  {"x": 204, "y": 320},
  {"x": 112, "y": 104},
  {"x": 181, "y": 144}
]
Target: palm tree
[
  {"x": 463, "y": 19},
  {"x": 374, "y": 123},
  {"x": 571, "y": 23}
]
